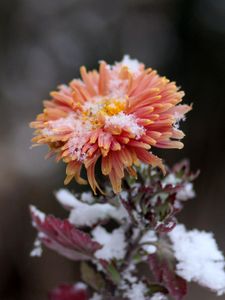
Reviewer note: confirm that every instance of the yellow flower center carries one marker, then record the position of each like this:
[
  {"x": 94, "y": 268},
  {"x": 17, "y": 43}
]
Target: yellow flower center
[
  {"x": 97, "y": 111},
  {"x": 113, "y": 106}
]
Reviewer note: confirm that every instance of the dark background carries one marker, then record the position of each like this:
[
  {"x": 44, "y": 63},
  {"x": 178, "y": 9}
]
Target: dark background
[{"x": 42, "y": 44}]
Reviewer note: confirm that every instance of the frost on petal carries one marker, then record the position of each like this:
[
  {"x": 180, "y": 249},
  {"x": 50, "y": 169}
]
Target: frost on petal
[
  {"x": 132, "y": 64},
  {"x": 77, "y": 291},
  {"x": 62, "y": 237},
  {"x": 198, "y": 258},
  {"x": 85, "y": 214},
  {"x": 127, "y": 122},
  {"x": 114, "y": 245}
]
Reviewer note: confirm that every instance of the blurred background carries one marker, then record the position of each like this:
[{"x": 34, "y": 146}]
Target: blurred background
[{"x": 42, "y": 44}]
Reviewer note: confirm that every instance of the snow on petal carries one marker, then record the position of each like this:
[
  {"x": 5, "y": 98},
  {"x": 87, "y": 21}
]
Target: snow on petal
[
  {"x": 132, "y": 64},
  {"x": 125, "y": 121}
]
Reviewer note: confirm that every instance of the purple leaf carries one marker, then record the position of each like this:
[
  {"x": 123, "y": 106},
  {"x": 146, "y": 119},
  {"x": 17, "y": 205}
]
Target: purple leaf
[
  {"x": 63, "y": 237},
  {"x": 176, "y": 285},
  {"x": 69, "y": 292},
  {"x": 165, "y": 274}
]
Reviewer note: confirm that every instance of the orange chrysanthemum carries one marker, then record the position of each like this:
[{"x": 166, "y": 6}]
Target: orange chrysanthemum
[{"x": 116, "y": 115}]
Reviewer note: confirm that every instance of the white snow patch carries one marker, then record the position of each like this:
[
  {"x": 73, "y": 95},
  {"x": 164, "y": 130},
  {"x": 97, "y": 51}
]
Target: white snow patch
[
  {"x": 96, "y": 297},
  {"x": 135, "y": 233},
  {"x": 178, "y": 117},
  {"x": 87, "y": 197},
  {"x": 158, "y": 296},
  {"x": 37, "y": 251},
  {"x": 198, "y": 258},
  {"x": 127, "y": 122},
  {"x": 128, "y": 278},
  {"x": 114, "y": 244},
  {"x": 124, "y": 195},
  {"x": 66, "y": 198},
  {"x": 132, "y": 64},
  {"x": 170, "y": 179},
  {"x": 83, "y": 214},
  {"x": 80, "y": 286},
  {"x": 37, "y": 213},
  {"x": 127, "y": 275},
  {"x": 149, "y": 238},
  {"x": 187, "y": 192},
  {"x": 136, "y": 291}
]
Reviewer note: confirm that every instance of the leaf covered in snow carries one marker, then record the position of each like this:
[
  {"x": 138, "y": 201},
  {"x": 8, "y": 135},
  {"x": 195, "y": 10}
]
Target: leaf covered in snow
[{"x": 63, "y": 237}]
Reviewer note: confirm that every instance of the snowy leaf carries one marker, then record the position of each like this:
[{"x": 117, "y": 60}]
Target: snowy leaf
[
  {"x": 63, "y": 237},
  {"x": 69, "y": 292}
]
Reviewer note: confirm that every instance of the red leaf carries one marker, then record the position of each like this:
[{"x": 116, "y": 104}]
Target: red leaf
[
  {"x": 176, "y": 285},
  {"x": 164, "y": 274},
  {"x": 155, "y": 267},
  {"x": 69, "y": 292},
  {"x": 63, "y": 237}
]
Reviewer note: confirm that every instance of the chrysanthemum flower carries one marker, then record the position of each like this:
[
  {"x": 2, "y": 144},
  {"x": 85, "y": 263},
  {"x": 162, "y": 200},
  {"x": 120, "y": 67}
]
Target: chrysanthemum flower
[{"x": 116, "y": 114}]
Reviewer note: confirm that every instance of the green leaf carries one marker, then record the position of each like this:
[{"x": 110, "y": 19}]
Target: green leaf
[
  {"x": 137, "y": 257},
  {"x": 114, "y": 274},
  {"x": 156, "y": 288},
  {"x": 92, "y": 277}
]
